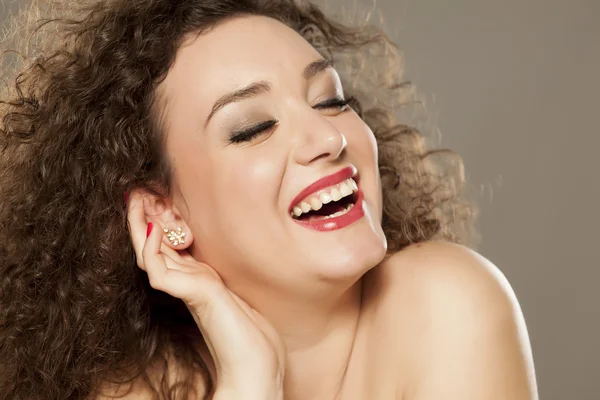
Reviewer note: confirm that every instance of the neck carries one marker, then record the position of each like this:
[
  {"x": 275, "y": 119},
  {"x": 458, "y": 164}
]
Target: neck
[{"x": 318, "y": 335}]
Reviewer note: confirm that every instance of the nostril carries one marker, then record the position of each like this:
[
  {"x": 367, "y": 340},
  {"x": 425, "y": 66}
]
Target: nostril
[{"x": 321, "y": 156}]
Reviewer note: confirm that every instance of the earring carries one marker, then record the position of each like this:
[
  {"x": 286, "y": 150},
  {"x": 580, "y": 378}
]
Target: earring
[{"x": 175, "y": 237}]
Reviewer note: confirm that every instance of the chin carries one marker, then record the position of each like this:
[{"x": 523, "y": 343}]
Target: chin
[
  {"x": 351, "y": 258},
  {"x": 347, "y": 253}
]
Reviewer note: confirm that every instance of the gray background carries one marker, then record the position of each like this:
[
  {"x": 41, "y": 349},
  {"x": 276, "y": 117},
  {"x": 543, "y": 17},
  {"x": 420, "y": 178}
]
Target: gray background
[{"x": 513, "y": 87}]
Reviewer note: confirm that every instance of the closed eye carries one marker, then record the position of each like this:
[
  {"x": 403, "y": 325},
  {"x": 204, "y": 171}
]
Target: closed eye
[
  {"x": 252, "y": 133},
  {"x": 336, "y": 102}
]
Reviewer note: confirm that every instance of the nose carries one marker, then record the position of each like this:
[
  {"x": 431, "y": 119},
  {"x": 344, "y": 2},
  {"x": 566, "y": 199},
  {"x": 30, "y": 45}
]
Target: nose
[{"x": 320, "y": 142}]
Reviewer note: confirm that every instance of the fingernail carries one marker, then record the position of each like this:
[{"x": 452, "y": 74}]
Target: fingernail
[
  {"x": 125, "y": 197},
  {"x": 149, "y": 229}
]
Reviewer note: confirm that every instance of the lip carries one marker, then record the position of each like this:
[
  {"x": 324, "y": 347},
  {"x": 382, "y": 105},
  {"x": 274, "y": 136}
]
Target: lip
[
  {"x": 331, "y": 224},
  {"x": 330, "y": 180}
]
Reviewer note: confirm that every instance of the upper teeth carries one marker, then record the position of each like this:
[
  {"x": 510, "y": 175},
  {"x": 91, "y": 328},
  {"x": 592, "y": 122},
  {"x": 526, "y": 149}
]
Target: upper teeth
[{"x": 332, "y": 193}]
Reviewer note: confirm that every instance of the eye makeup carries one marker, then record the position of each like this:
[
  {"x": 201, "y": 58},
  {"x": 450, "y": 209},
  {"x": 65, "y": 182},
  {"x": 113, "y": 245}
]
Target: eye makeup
[{"x": 249, "y": 134}]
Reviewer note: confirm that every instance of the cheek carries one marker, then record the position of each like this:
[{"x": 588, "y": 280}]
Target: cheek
[
  {"x": 244, "y": 186},
  {"x": 362, "y": 147},
  {"x": 251, "y": 184},
  {"x": 360, "y": 137}
]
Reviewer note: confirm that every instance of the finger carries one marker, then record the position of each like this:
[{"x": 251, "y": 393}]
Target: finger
[
  {"x": 137, "y": 225},
  {"x": 165, "y": 273},
  {"x": 185, "y": 255},
  {"x": 175, "y": 255},
  {"x": 176, "y": 262},
  {"x": 154, "y": 263},
  {"x": 161, "y": 268}
]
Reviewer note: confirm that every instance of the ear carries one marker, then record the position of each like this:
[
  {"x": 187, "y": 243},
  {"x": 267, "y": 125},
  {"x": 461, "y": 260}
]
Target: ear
[{"x": 160, "y": 210}]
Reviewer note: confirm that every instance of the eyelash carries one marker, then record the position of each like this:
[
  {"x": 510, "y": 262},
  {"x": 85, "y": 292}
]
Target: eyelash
[{"x": 251, "y": 133}]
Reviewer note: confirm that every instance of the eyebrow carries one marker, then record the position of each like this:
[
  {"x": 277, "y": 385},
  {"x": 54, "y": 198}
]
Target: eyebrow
[
  {"x": 257, "y": 88},
  {"x": 315, "y": 67}
]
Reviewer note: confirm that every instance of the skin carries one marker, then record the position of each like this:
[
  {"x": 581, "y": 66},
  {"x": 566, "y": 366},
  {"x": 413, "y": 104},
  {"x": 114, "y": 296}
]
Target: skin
[{"x": 329, "y": 309}]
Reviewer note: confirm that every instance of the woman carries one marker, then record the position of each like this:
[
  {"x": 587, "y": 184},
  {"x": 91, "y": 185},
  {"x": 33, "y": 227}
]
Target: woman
[{"x": 280, "y": 239}]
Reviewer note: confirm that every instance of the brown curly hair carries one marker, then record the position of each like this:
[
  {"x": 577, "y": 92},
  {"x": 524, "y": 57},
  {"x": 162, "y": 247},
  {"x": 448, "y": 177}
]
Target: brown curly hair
[{"x": 79, "y": 128}]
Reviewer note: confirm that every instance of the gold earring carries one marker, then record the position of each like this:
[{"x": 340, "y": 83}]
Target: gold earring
[{"x": 175, "y": 237}]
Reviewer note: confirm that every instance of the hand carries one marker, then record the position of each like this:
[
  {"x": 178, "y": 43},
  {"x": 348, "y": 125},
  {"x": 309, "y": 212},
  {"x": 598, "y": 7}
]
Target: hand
[{"x": 248, "y": 354}]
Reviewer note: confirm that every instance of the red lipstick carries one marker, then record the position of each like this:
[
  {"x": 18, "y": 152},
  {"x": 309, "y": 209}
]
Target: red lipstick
[
  {"x": 323, "y": 183},
  {"x": 331, "y": 223}
]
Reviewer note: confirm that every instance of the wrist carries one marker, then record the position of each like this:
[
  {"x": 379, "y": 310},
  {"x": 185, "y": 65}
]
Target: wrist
[
  {"x": 258, "y": 389},
  {"x": 264, "y": 384}
]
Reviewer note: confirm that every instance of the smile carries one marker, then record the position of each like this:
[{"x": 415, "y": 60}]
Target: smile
[{"x": 330, "y": 203}]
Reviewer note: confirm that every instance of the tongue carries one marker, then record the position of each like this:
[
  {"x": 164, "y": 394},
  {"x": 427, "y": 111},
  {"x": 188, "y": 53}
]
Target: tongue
[{"x": 326, "y": 210}]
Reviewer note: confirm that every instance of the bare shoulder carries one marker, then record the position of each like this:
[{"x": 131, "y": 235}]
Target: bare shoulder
[
  {"x": 442, "y": 280},
  {"x": 456, "y": 321},
  {"x": 447, "y": 273}
]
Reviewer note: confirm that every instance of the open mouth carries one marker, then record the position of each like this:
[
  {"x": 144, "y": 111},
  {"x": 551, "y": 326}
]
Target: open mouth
[{"x": 327, "y": 203}]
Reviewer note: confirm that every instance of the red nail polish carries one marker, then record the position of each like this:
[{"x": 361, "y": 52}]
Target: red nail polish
[{"x": 149, "y": 229}]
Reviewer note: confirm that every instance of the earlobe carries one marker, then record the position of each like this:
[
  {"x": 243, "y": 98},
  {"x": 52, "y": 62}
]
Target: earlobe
[
  {"x": 160, "y": 211},
  {"x": 178, "y": 238},
  {"x": 175, "y": 237}
]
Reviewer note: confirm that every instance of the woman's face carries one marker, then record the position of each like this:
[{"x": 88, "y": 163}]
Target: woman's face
[{"x": 236, "y": 189}]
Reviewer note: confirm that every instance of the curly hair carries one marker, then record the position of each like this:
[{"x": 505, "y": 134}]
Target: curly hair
[{"x": 79, "y": 127}]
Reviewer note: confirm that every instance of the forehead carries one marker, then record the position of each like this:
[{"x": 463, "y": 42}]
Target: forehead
[{"x": 237, "y": 52}]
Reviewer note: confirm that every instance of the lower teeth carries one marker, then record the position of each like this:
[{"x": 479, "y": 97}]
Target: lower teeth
[{"x": 337, "y": 214}]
